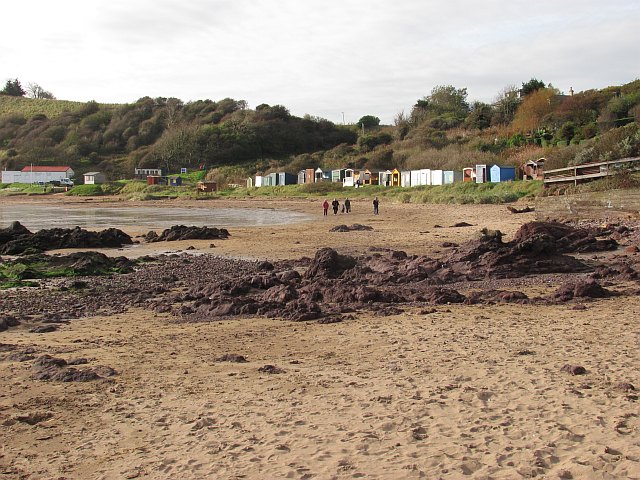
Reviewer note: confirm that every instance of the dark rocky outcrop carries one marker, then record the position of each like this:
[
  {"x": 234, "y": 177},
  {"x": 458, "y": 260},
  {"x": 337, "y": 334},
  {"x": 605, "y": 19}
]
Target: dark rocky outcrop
[
  {"x": 182, "y": 232},
  {"x": 17, "y": 240},
  {"x": 356, "y": 227}
]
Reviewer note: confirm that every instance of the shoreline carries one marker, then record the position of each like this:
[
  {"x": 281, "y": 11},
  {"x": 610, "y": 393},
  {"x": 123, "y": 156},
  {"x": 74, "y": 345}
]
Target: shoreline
[{"x": 422, "y": 391}]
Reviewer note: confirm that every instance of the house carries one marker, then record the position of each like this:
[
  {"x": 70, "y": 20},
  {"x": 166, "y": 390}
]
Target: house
[
  {"x": 405, "y": 178},
  {"x": 415, "y": 178},
  {"x": 285, "y": 178},
  {"x": 94, "y": 178},
  {"x": 349, "y": 179},
  {"x": 481, "y": 174},
  {"x": 384, "y": 178},
  {"x": 310, "y": 175},
  {"x": 258, "y": 182},
  {"x": 175, "y": 181},
  {"x": 270, "y": 180},
  {"x": 338, "y": 175},
  {"x": 157, "y": 180},
  {"x": 425, "y": 176},
  {"x": 38, "y": 174},
  {"x": 395, "y": 177},
  {"x": 469, "y": 175},
  {"x": 451, "y": 176},
  {"x": 142, "y": 173},
  {"x": 533, "y": 170},
  {"x": 501, "y": 173},
  {"x": 437, "y": 177},
  {"x": 249, "y": 182},
  {"x": 206, "y": 187}
]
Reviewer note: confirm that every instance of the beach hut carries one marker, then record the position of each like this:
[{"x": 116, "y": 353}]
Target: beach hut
[
  {"x": 94, "y": 178},
  {"x": 349, "y": 179},
  {"x": 437, "y": 177},
  {"x": 415, "y": 178},
  {"x": 395, "y": 177},
  {"x": 142, "y": 173},
  {"x": 310, "y": 175},
  {"x": 258, "y": 182},
  {"x": 451, "y": 176},
  {"x": 533, "y": 170},
  {"x": 156, "y": 180},
  {"x": 319, "y": 175},
  {"x": 374, "y": 178},
  {"x": 363, "y": 177},
  {"x": 249, "y": 182},
  {"x": 425, "y": 176},
  {"x": 384, "y": 178},
  {"x": 302, "y": 177},
  {"x": 285, "y": 178},
  {"x": 405, "y": 178},
  {"x": 338, "y": 174},
  {"x": 175, "y": 181},
  {"x": 481, "y": 174},
  {"x": 502, "y": 173},
  {"x": 468, "y": 175}
]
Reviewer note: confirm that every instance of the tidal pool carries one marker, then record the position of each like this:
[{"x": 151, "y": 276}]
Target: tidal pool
[{"x": 36, "y": 217}]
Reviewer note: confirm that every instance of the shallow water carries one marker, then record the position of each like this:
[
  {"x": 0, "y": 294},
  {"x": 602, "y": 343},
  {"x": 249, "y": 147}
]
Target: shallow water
[{"x": 36, "y": 217}]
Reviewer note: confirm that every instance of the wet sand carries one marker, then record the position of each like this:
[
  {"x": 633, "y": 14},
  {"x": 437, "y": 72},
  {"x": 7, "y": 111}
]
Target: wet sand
[{"x": 453, "y": 392}]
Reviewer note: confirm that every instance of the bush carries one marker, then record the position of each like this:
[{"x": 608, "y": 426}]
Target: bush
[{"x": 86, "y": 191}]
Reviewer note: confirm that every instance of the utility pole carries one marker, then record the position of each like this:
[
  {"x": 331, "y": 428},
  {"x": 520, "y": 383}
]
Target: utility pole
[{"x": 342, "y": 118}]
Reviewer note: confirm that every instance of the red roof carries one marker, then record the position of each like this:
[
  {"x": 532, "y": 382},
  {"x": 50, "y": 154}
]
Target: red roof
[{"x": 45, "y": 169}]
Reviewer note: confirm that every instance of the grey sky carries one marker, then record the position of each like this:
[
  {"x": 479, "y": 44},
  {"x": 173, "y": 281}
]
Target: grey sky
[{"x": 319, "y": 57}]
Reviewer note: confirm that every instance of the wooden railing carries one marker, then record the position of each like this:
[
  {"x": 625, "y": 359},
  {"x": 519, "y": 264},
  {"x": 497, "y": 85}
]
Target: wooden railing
[{"x": 590, "y": 171}]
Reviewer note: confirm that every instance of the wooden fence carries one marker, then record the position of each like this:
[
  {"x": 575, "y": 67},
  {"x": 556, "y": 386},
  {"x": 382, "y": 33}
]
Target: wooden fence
[{"x": 590, "y": 171}]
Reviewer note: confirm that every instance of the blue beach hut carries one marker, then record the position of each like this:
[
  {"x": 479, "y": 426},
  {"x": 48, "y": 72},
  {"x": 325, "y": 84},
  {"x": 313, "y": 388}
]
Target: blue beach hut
[{"x": 501, "y": 173}]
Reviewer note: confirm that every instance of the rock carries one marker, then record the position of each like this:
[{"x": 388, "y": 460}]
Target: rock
[
  {"x": 232, "y": 357},
  {"x": 182, "y": 232},
  {"x": 44, "y": 329},
  {"x": 583, "y": 288},
  {"x": 353, "y": 228},
  {"x": 270, "y": 369},
  {"x": 624, "y": 387},
  {"x": 631, "y": 249},
  {"x": 329, "y": 263},
  {"x": 574, "y": 369}
]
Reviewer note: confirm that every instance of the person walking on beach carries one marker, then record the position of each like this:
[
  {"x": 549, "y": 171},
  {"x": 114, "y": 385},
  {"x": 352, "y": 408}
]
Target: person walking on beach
[
  {"x": 347, "y": 205},
  {"x": 335, "y": 204},
  {"x": 375, "y": 205},
  {"x": 325, "y": 207}
]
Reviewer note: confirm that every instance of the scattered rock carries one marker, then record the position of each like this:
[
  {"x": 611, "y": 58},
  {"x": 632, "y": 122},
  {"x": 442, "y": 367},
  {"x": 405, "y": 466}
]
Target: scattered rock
[
  {"x": 232, "y": 357},
  {"x": 182, "y": 232},
  {"x": 270, "y": 369},
  {"x": 574, "y": 369},
  {"x": 353, "y": 228},
  {"x": 44, "y": 329}
]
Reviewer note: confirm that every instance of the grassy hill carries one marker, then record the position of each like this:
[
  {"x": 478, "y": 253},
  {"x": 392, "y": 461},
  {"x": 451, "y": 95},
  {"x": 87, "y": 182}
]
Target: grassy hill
[{"x": 28, "y": 107}]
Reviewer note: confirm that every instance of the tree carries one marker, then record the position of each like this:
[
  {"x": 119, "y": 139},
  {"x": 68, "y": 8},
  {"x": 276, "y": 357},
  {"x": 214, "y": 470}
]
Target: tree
[
  {"x": 533, "y": 110},
  {"x": 505, "y": 105},
  {"x": 13, "y": 89},
  {"x": 446, "y": 107},
  {"x": 531, "y": 86},
  {"x": 368, "y": 121},
  {"x": 480, "y": 116},
  {"x": 36, "y": 91}
]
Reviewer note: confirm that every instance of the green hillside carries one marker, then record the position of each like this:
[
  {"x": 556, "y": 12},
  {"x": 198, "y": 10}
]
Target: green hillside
[
  {"x": 28, "y": 107},
  {"x": 443, "y": 130}
]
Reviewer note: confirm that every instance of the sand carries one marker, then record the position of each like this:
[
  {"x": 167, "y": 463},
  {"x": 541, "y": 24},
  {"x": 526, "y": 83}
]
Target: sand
[{"x": 459, "y": 392}]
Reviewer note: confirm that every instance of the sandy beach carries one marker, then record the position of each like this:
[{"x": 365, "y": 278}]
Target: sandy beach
[{"x": 447, "y": 391}]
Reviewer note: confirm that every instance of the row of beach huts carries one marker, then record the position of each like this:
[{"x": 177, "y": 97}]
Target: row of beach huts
[{"x": 396, "y": 178}]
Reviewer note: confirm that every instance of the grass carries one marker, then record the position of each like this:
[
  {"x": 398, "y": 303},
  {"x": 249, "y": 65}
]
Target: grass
[
  {"x": 28, "y": 107},
  {"x": 458, "y": 193}
]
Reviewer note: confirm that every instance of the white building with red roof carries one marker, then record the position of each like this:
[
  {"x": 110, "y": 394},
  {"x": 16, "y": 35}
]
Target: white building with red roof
[{"x": 36, "y": 174}]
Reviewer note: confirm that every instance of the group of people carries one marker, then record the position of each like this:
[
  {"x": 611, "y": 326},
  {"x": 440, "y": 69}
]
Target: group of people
[{"x": 346, "y": 206}]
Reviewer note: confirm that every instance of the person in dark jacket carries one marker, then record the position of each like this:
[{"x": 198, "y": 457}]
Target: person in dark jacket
[
  {"x": 376, "y": 203},
  {"x": 347, "y": 205},
  {"x": 335, "y": 204}
]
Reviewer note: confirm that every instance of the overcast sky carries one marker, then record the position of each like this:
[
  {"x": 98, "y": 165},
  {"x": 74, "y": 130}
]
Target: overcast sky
[{"x": 321, "y": 57}]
